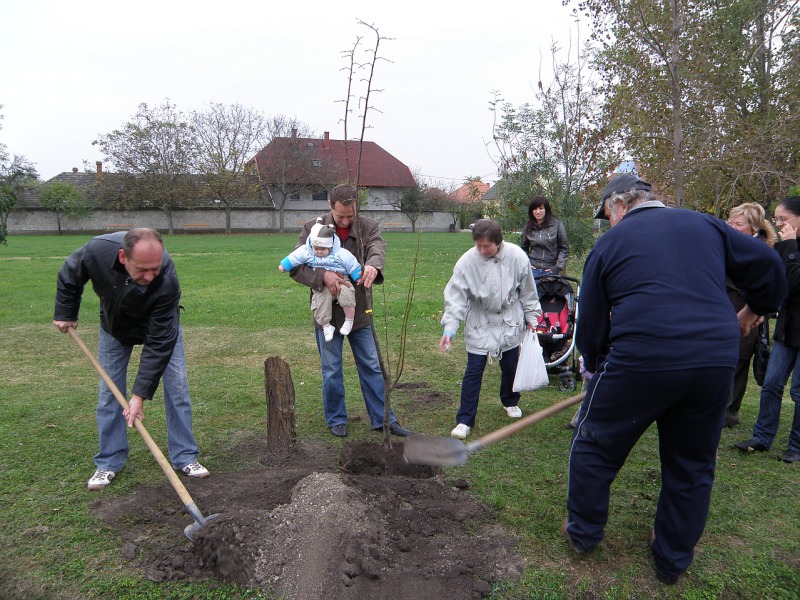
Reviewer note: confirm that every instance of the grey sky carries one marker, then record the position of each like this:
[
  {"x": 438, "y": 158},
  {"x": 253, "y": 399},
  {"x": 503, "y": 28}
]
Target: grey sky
[{"x": 74, "y": 70}]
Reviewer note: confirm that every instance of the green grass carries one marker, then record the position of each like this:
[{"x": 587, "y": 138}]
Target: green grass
[{"x": 240, "y": 310}]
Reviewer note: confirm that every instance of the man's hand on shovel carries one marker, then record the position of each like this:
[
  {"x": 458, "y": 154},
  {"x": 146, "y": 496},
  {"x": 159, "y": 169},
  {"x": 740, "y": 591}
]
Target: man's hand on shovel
[{"x": 135, "y": 410}]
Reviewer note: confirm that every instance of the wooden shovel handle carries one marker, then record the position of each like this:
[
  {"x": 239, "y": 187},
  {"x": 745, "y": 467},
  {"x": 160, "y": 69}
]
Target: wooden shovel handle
[
  {"x": 504, "y": 432},
  {"x": 154, "y": 449}
]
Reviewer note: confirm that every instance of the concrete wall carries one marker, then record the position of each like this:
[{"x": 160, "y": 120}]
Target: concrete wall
[{"x": 242, "y": 220}]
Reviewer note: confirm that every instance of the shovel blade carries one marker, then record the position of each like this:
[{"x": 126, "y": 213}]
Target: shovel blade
[
  {"x": 190, "y": 531},
  {"x": 435, "y": 451}
]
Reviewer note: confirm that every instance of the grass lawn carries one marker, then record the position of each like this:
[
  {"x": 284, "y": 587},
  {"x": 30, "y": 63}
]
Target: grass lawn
[{"x": 240, "y": 310}]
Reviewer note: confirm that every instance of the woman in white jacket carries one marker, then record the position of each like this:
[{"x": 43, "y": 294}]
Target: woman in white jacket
[{"x": 493, "y": 293}]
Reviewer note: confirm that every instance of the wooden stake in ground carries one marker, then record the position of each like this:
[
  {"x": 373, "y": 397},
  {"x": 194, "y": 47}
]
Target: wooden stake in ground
[{"x": 281, "y": 431}]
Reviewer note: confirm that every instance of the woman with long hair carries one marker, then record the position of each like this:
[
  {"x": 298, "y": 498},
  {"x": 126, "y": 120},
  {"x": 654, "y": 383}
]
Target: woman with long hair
[{"x": 544, "y": 239}]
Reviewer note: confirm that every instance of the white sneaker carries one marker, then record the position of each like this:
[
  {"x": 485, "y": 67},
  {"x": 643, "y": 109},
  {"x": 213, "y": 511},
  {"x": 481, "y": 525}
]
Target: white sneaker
[
  {"x": 460, "y": 432},
  {"x": 328, "y": 330},
  {"x": 100, "y": 479},
  {"x": 196, "y": 470},
  {"x": 347, "y": 327},
  {"x": 515, "y": 412}
]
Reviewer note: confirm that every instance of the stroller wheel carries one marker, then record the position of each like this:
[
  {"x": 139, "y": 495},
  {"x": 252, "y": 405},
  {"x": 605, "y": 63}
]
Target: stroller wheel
[{"x": 567, "y": 383}]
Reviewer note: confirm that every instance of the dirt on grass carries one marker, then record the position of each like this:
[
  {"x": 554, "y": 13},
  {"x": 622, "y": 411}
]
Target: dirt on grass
[{"x": 320, "y": 521}]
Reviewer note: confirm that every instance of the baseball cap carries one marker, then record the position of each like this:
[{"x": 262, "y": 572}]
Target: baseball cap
[{"x": 619, "y": 185}]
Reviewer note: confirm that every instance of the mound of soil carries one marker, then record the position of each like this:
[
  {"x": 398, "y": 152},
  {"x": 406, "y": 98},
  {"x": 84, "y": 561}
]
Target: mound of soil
[{"x": 319, "y": 522}]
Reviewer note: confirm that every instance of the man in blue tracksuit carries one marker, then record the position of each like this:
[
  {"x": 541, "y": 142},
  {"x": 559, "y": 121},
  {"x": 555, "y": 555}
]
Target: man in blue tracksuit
[{"x": 661, "y": 337}]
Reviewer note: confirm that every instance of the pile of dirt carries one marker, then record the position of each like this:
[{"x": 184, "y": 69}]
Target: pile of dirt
[{"x": 322, "y": 522}]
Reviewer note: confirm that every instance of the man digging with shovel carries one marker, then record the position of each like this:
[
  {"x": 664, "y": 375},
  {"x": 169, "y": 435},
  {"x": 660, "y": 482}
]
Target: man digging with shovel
[
  {"x": 139, "y": 294},
  {"x": 661, "y": 337}
]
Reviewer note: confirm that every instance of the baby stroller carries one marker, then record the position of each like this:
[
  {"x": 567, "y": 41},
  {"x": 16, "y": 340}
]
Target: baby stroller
[{"x": 556, "y": 327}]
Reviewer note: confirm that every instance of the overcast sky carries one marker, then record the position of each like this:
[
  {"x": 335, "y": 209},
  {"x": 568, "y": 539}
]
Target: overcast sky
[{"x": 76, "y": 70}]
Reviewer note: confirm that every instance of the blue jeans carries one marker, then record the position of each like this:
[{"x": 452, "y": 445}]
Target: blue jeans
[
  {"x": 369, "y": 374},
  {"x": 473, "y": 378},
  {"x": 783, "y": 361},
  {"x": 111, "y": 425}
]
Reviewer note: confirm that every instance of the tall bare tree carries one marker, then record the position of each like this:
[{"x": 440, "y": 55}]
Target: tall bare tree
[
  {"x": 154, "y": 154},
  {"x": 227, "y": 137}
]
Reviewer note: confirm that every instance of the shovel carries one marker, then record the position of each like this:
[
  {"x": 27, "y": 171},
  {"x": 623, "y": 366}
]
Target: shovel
[
  {"x": 443, "y": 451},
  {"x": 190, "y": 530}
]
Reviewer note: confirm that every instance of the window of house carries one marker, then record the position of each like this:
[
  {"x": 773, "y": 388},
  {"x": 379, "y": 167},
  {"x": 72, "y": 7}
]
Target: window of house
[
  {"x": 295, "y": 196},
  {"x": 322, "y": 195}
]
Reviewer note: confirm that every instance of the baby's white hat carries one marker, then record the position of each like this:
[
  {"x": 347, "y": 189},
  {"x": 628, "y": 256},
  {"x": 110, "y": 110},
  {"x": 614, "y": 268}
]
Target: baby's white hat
[{"x": 321, "y": 236}]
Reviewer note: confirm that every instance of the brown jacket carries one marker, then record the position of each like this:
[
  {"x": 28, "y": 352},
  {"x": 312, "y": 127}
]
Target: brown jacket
[{"x": 375, "y": 255}]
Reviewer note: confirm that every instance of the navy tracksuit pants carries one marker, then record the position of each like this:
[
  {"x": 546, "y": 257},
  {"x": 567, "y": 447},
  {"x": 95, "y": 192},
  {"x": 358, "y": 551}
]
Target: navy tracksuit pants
[{"x": 688, "y": 407}]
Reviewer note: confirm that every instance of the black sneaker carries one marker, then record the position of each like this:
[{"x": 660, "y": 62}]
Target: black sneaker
[
  {"x": 750, "y": 446},
  {"x": 339, "y": 430},
  {"x": 789, "y": 456}
]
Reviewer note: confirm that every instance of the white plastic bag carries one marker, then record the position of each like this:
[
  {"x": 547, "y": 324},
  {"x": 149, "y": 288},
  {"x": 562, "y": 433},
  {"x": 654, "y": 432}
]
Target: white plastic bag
[{"x": 531, "y": 370}]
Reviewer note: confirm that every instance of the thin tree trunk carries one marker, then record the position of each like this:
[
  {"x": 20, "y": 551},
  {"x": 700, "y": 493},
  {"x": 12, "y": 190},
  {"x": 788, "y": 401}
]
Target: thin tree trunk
[{"x": 677, "y": 104}]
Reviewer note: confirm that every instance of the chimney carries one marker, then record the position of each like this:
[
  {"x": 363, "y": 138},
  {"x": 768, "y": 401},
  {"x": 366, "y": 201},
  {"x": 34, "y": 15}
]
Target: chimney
[
  {"x": 327, "y": 142},
  {"x": 74, "y": 169},
  {"x": 99, "y": 164},
  {"x": 294, "y": 132}
]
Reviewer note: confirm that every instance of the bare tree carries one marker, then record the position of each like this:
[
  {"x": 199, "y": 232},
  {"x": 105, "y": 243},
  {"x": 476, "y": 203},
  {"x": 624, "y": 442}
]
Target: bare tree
[
  {"x": 227, "y": 136},
  {"x": 364, "y": 105},
  {"x": 413, "y": 201}
]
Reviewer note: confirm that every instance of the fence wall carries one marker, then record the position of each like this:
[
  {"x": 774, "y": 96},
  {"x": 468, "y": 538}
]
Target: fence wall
[{"x": 205, "y": 221}]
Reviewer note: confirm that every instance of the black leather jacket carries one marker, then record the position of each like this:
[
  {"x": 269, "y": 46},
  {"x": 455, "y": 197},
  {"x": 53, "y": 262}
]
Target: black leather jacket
[
  {"x": 787, "y": 327},
  {"x": 132, "y": 313}
]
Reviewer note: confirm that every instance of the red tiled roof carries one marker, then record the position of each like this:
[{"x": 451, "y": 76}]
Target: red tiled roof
[
  {"x": 378, "y": 167},
  {"x": 470, "y": 192}
]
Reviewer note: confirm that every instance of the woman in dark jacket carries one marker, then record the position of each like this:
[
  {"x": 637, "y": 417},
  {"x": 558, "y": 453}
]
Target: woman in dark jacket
[
  {"x": 544, "y": 239},
  {"x": 784, "y": 360},
  {"x": 749, "y": 218}
]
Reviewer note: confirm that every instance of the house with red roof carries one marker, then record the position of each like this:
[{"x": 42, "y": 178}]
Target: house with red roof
[
  {"x": 306, "y": 169},
  {"x": 470, "y": 192}
]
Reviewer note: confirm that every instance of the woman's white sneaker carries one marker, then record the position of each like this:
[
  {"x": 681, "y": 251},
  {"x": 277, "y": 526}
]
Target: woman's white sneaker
[
  {"x": 460, "y": 432},
  {"x": 515, "y": 412}
]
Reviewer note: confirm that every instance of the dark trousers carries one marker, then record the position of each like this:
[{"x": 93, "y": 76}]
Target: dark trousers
[
  {"x": 689, "y": 408},
  {"x": 473, "y": 378},
  {"x": 747, "y": 347}
]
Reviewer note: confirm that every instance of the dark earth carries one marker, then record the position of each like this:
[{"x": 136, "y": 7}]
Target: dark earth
[{"x": 319, "y": 521}]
